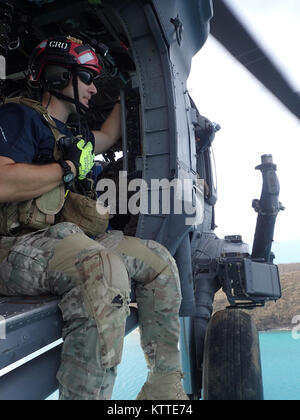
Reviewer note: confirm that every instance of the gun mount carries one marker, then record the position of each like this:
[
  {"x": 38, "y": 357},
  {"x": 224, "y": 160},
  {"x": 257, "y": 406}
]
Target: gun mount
[
  {"x": 267, "y": 208},
  {"x": 251, "y": 281}
]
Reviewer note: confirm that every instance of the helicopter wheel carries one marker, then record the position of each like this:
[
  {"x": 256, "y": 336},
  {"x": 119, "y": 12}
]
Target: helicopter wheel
[{"x": 231, "y": 363}]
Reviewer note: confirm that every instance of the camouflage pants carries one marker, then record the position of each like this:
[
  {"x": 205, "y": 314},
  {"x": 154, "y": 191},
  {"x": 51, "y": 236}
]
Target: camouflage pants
[{"x": 91, "y": 276}]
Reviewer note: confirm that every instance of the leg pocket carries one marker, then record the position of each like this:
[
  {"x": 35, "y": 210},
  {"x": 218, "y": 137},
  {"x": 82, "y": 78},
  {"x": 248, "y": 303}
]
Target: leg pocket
[{"x": 106, "y": 297}]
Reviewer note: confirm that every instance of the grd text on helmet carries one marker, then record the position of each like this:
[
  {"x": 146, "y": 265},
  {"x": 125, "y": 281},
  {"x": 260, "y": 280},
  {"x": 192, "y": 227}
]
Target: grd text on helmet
[{"x": 58, "y": 44}]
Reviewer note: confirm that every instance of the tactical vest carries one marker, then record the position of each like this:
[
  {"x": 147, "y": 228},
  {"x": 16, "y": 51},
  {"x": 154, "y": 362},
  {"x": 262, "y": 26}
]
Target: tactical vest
[{"x": 54, "y": 206}]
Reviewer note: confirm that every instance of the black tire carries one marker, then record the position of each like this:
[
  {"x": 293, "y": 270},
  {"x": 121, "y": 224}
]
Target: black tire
[{"x": 231, "y": 363}]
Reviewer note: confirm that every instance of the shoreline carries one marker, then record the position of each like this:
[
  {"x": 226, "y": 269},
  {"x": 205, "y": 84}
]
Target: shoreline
[{"x": 282, "y": 329}]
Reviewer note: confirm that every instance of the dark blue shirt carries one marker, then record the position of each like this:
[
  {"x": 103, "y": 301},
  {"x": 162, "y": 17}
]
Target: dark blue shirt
[{"x": 25, "y": 136}]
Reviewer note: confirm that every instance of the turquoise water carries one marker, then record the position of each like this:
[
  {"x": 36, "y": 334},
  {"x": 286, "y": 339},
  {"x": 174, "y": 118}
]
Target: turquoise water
[
  {"x": 132, "y": 372},
  {"x": 280, "y": 357}
]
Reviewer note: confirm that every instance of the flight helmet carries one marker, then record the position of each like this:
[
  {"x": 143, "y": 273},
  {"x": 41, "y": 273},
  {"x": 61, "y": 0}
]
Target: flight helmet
[{"x": 55, "y": 60}]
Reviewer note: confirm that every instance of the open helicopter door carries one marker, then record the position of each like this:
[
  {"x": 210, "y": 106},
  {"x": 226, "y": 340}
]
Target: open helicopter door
[{"x": 163, "y": 37}]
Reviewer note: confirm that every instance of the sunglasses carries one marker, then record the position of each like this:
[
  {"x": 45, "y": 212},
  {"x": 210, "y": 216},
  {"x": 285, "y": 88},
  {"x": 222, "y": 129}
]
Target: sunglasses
[{"x": 87, "y": 77}]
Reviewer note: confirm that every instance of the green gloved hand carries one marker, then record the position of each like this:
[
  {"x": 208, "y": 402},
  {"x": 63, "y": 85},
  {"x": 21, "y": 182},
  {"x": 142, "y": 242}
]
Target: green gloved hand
[
  {"x": 87, "y": 158},
  {"x": 81, "y": 154}
]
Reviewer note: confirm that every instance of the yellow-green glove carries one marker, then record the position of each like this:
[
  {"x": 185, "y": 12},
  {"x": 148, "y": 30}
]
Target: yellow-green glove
[
  {"x": 82, "y": 155},
  {"x": 86, "y": 160}
]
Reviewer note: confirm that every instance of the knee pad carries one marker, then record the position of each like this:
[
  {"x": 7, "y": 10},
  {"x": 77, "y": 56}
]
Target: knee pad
[{"x": 162, "y": 252}]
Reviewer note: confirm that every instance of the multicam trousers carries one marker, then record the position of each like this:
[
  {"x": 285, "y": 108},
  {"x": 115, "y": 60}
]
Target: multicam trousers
[{"x": 91, "y": 276}]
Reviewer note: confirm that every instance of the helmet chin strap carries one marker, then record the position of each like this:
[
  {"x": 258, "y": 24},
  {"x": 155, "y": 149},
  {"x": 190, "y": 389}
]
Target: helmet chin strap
[{"x": 79, "y": 107}]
